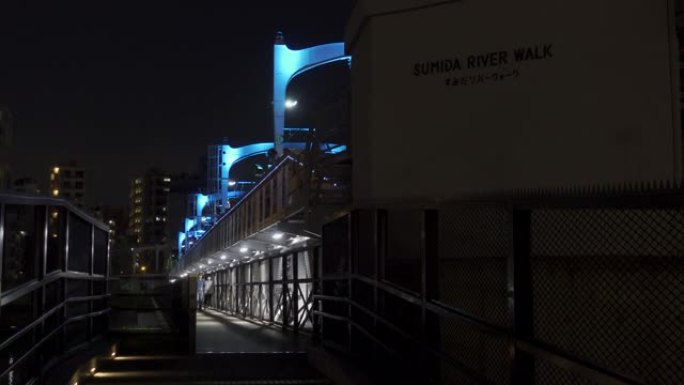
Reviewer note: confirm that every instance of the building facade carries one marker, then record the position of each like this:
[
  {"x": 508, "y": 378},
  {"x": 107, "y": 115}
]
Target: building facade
[
  {"x": 438, "y": 114},
  {"x": 68, "y": 181},
  {"x": 26, "y": 186},
  {"x": 148, "y": 221},
  {"x": 148, "y": 201}
]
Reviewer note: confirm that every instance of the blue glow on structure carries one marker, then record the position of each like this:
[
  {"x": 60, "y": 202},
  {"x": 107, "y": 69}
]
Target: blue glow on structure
[
  {"x": 181, "y": 241},
  {"x": 189, "y": 224},
  {"x": 287, "y": 64},
  {"x": 202, "y": 201},
  {"x": 337, "y": 150},
  {"x": 232, "y": 155}
]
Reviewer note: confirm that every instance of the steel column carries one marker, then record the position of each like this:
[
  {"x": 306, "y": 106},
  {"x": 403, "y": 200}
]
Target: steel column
[
  {"x": 316, "y": 290},
  {"x": 295, "y": 290},
  {"x": 283, "y": 267},
  {"x": 352, "y": 224},
  {"x": 520, "y": 295},
  {"x": 90, "y": 281},
  {"x": 271, "y": 314},
  {"x": 430, "y": 289},
  {"x": 67, "y": 235},
  {"x": 2, "y": 245}
]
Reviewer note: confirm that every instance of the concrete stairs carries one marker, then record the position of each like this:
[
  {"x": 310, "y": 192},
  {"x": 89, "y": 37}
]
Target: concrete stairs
[{"x": 201, "y": 369}]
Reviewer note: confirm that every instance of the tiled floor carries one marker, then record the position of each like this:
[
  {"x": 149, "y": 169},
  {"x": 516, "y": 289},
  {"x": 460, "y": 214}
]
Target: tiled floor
[{"x": 220, "y": 333}]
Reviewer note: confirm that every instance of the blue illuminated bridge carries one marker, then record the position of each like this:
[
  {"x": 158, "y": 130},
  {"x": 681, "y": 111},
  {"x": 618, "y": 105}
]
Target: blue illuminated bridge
[{"x": 291, "y": 284}]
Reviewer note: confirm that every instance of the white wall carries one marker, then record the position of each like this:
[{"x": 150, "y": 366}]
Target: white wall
[{"x": 599, "y": 110}]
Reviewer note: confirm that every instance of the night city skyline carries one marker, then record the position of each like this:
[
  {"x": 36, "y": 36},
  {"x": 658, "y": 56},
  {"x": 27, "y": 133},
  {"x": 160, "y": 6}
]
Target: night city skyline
[{"x": 124, "y": 89}]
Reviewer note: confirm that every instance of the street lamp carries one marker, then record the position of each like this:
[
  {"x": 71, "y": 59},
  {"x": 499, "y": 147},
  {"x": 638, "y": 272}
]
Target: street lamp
[{"x": 290, "y": 103}]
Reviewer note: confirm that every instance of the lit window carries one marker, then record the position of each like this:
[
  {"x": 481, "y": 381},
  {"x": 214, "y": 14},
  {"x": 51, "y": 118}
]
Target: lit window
[
  {"x": 55, "y": 192},
  {"x": 55, "y": 170},
  {"x": 167, "y": 179}
]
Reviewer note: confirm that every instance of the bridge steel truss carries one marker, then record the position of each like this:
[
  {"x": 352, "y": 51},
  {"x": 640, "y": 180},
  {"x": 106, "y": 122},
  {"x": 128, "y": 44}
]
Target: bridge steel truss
[
  {"x": 276, "y": 200},
  {"x": 273, "y": 281},
  {"x": 275, "y": 290},
  {"x": 54, "y": 268}
]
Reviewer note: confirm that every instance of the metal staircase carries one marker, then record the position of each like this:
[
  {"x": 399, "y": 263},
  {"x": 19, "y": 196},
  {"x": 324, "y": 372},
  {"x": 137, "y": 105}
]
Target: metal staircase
[{"x": 228, "y": 368}]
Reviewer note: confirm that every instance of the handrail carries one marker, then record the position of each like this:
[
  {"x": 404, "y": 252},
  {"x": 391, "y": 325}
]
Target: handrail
[
  {"x": 240, "y": 202},
  {"x": 15, "y": 293},
  {"x": 48, "y": 336},
  {"x": 535, "y": 348},
  {"x": 33, "y": 200},
  {"x": 90, "y": 296}
]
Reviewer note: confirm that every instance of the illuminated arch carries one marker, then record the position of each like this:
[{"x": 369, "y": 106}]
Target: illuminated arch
[{"x": 287, "y": 64}]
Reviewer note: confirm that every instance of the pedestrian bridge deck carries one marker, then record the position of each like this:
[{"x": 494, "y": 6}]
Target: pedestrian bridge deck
[{"x": 220, "y": 333}]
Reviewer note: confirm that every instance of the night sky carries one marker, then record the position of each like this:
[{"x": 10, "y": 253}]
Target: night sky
[{"x": 122, "y": 87}]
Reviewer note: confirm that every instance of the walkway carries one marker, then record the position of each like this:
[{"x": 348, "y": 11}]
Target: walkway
[{"x": 221, "y": 333}]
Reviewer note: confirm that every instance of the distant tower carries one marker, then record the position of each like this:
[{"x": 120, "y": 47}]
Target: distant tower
[
  {"x": 287, "y": 64},
  {"x": 148, "y": 206}
]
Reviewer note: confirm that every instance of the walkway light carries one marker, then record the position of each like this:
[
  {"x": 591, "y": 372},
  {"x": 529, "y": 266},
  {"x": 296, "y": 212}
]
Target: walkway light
[
  {"x": 278, "y": 235},
  {"x": 289, "y": 103},
  {"x": 223, "y": 257},
  {"x": 232, "y": 183},
  {"x": 244, "y": 249}
]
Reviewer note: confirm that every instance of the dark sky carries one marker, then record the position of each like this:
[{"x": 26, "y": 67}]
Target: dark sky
[{"x": 122, "y": 87}]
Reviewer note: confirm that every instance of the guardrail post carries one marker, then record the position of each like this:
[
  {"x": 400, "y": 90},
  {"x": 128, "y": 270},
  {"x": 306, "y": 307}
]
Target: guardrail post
[
  {"x": 90, "y": 282},
  {"x": 430, "y": 289},
  {"x": 283, "y": 267},
  {"x": 380, "y": 256},
  {"x": 2, "y": 239},
  {"x": 67, "y": 235},
  {"x": 352, "y": 226},
  {"x": 271, "y": 314},
  {"x": 520, "y": 295},
  {"x": 191, "y": 308},
  {"x": 295, "y": 290},
  {"x": 316, "y": 290}
]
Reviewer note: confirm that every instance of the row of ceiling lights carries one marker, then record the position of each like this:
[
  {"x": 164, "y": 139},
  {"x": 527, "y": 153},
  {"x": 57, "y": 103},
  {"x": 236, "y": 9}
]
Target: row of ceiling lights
[{"x": 202, "y": 268}]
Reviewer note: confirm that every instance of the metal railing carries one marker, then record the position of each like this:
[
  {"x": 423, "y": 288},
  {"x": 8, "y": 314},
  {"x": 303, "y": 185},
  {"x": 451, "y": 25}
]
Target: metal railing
[
  {"x": 53, "y": 283},
  {"x": 577, "y": 290},
  {"x": 276, "y": 196}
]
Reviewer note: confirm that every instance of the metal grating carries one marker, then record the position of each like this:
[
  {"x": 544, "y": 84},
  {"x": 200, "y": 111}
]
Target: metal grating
[
  {"x": 474, "y": 244},
  {"x": 545, "y": 373},
  {"x": 608, "y": 287},
  {"x": 485, "y": 354}
]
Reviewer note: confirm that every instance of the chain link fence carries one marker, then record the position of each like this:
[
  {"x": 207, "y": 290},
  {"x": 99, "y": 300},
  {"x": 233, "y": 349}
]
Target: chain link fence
[{"x": 581, "y": 290}]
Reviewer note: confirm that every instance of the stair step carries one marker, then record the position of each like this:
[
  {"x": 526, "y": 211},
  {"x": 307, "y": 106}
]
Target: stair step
[
  {"x": 183, "y": 377},
  {"x": 209, "y": 369},
  {"x": 241, "y": 362},
  {"x": 221, "y": 382}
]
